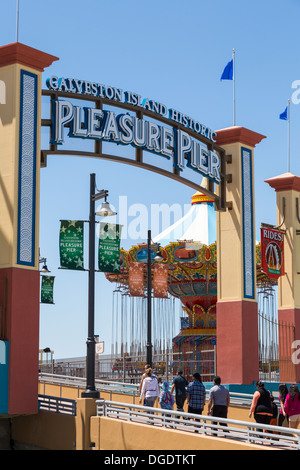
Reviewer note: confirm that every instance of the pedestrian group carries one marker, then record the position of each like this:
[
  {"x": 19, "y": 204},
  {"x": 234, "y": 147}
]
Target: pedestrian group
[
  {"x": 193, "y": 393},
  {"x": 265, "y": 411},
  {"x": 263, "y": 408}
]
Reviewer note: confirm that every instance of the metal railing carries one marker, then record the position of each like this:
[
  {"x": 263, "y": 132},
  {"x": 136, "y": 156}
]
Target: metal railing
[
  {"x": 129, "y": 369},
  {"x": 239, "y": 399},
  {"x": 236, "y": 399},
  {"x": 249, "y": 432},
  {"x": 57, "y": 405},
  {"x": 275, "y": 340},
  {"x": 242, "y": 430},
  {"x": 80, "y": 382}
]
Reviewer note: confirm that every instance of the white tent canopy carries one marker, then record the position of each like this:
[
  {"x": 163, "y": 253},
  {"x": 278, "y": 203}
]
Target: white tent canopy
[{"x": 197, "y": 225}]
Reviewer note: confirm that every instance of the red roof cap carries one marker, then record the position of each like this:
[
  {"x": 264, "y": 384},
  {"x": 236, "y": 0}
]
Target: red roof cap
[
  {"x": 235, "y": 134},
  {"x": 25, "y": 55},
  {"x": 284, "y": 182}
]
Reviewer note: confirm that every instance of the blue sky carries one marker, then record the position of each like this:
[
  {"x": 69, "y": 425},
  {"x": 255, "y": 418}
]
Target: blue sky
[{"x": 172, "y": 52}]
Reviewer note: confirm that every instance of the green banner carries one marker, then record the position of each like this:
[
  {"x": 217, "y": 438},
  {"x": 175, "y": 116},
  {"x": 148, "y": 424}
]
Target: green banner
[
  {"x": 47, "y": 289},
  {"x": 109, "y": 248},
  {"x": 71, "y": 244}
]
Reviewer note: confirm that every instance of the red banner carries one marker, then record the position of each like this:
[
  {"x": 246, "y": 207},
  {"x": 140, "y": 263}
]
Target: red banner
[
  {"x": 136, "y": 279},
  {"x": 272, "y": 252},
  {"x": 160, "y": 281}
]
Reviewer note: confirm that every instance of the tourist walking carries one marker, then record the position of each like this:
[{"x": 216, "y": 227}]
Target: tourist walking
[
  {"x": 261, "y": 405},
  {"x": 147, "y": 366},
  {"x": 292, "y": 406},
  {"x": 195, "y": 395},
  {"x": 166, "y": 399},
  {"x": 179, "y": 384},
  {"x": 218, "y": 400},
  {"x": 150, "y": 389},
  {"x": 283, "y": 391}
]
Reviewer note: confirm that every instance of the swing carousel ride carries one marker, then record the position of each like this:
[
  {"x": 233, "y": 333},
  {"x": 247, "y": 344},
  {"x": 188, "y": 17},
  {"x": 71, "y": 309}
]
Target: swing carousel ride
[{"x": 189, "y": 251}]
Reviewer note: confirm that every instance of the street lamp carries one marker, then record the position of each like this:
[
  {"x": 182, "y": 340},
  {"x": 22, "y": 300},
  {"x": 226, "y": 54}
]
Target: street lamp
[
  {"x": 158, "y": 257},
  {"x": 95, "y": 195},
  {"x": 43, "y": 261}
]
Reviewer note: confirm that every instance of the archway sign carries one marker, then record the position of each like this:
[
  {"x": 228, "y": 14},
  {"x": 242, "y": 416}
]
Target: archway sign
[
  {"x": 143, "y": 123},
  {"x": 110, "y": 116}
]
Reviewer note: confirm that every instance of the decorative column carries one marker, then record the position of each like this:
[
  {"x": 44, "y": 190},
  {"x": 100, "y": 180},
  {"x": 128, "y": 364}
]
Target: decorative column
[
  {"x": 237, "y": 322},
  {"x": 287, "y": 187},
  {"x": 20, "y": 117}
]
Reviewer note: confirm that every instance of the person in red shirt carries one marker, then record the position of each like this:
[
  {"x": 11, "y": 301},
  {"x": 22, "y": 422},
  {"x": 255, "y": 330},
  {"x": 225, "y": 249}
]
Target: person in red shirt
[{"x": 292, "y": 406}]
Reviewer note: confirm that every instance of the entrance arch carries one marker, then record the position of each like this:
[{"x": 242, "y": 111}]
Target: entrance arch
[
  {"x": 21, "y": 70},
  {"x": 175, "y": 146}
]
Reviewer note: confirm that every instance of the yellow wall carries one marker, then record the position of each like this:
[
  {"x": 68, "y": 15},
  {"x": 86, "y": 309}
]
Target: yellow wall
[
  {"x": 288, "y": 285},
  {"x": 45, "y": 430},
  {"x": 60, "y": 432},
  {"x": 114, "y": 434},
  {"x": 230, "y": 231},
  {"x": 234, "y": 412},
  {"x": 59, "y": 391},
  {"x": 9, "y": 137}
]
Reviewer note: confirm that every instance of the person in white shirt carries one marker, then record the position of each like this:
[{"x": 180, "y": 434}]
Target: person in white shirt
[
  {"x": 150, "y": 389},
  {"x": 143, "y": 377}
]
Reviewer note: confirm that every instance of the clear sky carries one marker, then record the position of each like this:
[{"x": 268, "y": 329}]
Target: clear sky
[{"x": 173, "y": 52}]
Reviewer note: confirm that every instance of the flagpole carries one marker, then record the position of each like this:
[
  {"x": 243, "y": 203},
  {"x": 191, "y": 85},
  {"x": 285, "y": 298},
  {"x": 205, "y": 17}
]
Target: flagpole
[
  {"x": 233, "y": 80},
  {"x": 288, "y": 117},
  {"x": 17, "y": 22}
]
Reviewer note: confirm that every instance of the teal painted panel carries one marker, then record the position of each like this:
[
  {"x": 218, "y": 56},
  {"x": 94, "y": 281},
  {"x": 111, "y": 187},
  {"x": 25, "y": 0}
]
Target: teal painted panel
[{"x": 4, "y": 362}]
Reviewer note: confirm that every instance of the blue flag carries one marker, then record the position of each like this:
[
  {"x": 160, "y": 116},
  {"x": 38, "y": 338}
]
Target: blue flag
[
  {"x": 283, "y": 115},
  {"x": 228, "y": 71}
]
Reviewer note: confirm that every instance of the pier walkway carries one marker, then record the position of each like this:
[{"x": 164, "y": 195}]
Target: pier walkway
[{"x": 118, "y": 409}]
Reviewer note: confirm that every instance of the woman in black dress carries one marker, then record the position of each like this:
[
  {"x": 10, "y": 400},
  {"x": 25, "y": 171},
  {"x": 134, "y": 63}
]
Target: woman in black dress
[{"x": 283, "y": 391}]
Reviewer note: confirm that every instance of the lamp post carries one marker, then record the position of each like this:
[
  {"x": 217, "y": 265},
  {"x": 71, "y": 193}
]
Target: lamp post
[
  {"x": 43, "y": 261},
  {"x": 149, "y": 310},
  {"x": 95, "y": 195},
  {"x": 158, "y": 257}
]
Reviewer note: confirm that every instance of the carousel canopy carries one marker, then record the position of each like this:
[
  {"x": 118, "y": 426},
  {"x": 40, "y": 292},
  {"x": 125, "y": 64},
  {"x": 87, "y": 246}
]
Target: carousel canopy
[{"x": 198, "y": 224}]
